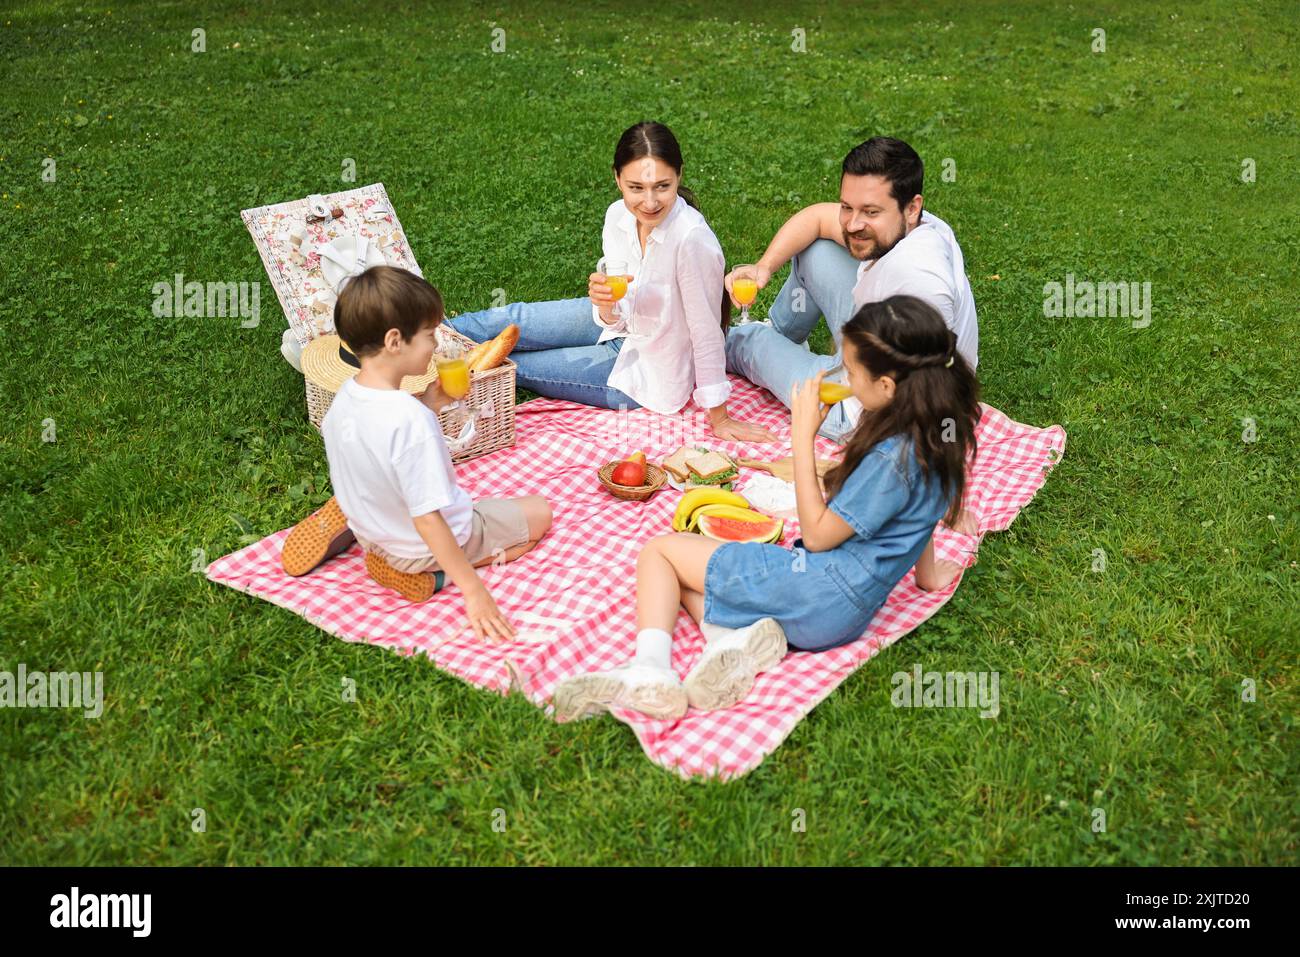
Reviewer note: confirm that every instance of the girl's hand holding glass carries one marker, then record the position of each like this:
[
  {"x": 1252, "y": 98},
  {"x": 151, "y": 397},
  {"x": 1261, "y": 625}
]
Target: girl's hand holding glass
[{"x": 807, "y": 411}]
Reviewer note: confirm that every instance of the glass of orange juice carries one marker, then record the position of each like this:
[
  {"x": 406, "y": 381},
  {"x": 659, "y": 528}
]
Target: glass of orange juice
[
  {"x": 453, "y": 370},
  {"x": 454, "y": 377},
  {"x": 615, "y": 273},
  {"x": 832, "y": 392},
  {"x": 744, "y": 289}
]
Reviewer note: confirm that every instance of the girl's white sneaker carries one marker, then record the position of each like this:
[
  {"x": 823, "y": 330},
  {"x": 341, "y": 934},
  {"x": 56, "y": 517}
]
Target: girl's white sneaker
[
  {"x": 656, "y": 692},
  {"x": 732, "y": 658}
]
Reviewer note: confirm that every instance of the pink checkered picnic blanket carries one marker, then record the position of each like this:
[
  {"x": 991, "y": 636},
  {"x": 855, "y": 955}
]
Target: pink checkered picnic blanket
[{"x": 572, "y": 599}]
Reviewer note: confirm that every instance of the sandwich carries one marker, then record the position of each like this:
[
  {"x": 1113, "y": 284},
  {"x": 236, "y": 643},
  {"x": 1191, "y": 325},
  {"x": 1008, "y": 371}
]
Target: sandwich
[
  {"x": 697, "y": 467},
  {"x": 675, "y": 464},
  {"x": 711, "y": 469}
]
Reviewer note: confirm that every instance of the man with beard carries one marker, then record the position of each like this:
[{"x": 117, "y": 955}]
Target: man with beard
[{"x": 876, "y": 242}]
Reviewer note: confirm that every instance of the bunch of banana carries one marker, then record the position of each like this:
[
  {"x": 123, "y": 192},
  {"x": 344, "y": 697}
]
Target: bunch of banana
[{"x": 698, "y": 498}]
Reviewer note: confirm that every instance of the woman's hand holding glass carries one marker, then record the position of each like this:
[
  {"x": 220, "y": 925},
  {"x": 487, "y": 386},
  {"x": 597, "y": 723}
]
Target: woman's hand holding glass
[{"x": 607, "y": 285}]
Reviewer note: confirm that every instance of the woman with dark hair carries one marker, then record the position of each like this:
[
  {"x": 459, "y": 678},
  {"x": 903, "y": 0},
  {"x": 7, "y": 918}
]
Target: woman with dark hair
[
  {"x": 904, "y": 468},
  {"x": 664, "y": 343}
]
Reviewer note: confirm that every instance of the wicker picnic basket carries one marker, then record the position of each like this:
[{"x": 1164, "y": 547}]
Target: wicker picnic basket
[
  {"x": 492, "y": 390},
  {"x": 289, "y": 238}
]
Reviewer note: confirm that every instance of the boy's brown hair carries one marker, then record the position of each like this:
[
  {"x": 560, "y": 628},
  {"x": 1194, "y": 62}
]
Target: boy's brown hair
[{"x": 383, "y": 298}]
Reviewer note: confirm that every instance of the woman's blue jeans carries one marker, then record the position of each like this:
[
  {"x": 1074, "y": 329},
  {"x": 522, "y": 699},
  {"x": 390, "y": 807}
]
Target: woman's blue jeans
[{"x": 557, "y": 354}]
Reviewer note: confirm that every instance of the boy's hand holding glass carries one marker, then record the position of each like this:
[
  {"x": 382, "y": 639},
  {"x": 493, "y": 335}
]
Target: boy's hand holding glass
[
  {"x": 435, "y": 396},
  {"x": 453, "y": 382}
]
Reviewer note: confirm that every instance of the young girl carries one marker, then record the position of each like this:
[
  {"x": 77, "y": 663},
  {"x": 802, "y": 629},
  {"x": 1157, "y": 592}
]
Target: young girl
[
  {"x": 583, "y": 350},
  {"x": 903, "y": 469}
]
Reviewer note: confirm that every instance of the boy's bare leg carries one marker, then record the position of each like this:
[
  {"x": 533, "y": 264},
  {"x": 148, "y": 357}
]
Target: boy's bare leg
[
  {"x": 538, "y": 512},
  {"x": 539, "y": 515},
  {"x": 509, "y": 555}
]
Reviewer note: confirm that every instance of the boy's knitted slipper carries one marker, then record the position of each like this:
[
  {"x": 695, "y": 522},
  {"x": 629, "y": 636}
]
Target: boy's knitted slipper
[
  {"x": 321, "y": 535},
  {"x": 413, "y": 586}
]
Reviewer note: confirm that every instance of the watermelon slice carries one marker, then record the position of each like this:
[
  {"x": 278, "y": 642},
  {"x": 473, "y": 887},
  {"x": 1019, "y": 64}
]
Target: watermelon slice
[{"x": 724, "y": 529}]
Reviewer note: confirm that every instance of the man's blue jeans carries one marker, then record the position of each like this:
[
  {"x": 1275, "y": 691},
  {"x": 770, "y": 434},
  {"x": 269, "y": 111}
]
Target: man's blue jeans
[
  {"x": 774, "y": 354},
  {"x": 557, "y": 355}
]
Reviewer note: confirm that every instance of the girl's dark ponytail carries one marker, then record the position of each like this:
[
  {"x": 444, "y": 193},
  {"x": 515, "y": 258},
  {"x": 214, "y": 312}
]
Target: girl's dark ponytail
[
  {"x": 936, "y": 394},
  {"x": 649, "y": 138}
]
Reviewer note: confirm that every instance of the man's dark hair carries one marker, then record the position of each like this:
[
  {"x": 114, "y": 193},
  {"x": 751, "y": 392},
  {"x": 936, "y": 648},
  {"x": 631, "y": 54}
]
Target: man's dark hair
[
  {"x": 383, "y": 298},
  {"x": 891, "y": 159}
]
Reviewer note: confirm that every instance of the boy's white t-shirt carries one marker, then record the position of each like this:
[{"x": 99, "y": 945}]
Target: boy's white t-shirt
[{"x": 388, "y": 463}]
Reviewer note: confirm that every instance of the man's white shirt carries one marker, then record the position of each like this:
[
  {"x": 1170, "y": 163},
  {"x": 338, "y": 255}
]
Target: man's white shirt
[{"x": 927, "y": 263}]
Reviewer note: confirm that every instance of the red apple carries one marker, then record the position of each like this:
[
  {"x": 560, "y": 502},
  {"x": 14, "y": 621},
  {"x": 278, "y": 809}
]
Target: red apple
[{"x": 631, "y": 471}]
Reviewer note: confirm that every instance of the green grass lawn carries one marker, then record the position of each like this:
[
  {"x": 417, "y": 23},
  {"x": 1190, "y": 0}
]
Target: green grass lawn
[{"x": 1121, "y": 688}]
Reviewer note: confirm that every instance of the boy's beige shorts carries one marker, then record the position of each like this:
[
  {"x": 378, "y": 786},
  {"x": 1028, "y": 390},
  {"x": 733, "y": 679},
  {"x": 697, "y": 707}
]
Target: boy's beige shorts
[{"x": 497, "y": 523}]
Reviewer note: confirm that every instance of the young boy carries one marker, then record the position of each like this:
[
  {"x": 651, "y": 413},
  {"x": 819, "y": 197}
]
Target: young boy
[{"x": 389, "y": 464}]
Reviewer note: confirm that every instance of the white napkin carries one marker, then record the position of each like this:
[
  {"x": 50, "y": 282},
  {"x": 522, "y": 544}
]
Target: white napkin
[
  {"x": 771, "y": 495},
  {"x": 348, "y": 257}
]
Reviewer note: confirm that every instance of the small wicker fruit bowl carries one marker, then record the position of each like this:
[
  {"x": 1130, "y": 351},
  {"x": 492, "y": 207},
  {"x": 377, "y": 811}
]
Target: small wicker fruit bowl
[{"x": 655, "y": 479}]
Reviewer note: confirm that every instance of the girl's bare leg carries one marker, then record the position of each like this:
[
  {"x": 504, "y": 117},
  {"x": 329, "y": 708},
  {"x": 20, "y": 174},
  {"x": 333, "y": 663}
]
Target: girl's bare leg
[
  {"x": 669, "y": 569},
  {"x": 934, "y": 575},
  {"x": 693, "y": 602}
]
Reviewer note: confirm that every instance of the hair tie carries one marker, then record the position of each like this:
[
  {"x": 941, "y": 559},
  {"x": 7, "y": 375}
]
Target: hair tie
[{"x": 948, "y": 364}]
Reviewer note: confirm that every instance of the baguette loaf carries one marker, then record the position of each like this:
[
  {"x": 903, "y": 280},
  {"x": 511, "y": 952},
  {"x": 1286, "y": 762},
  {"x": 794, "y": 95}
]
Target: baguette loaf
[
  {"x": 476, "y": 353},
  {"x": 495, "y": 352}
]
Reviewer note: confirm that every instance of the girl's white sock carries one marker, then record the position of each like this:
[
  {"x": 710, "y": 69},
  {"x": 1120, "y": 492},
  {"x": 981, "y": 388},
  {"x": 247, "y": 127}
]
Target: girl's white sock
[
  {"x": 714, "y": 632},
  {"x": 654, "y": 647}
]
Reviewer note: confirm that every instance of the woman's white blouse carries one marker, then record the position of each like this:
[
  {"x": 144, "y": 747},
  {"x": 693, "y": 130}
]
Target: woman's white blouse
[{"x": 674, "y": 299}]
